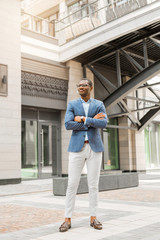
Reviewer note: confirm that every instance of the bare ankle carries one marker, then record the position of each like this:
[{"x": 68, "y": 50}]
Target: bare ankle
[
  {"x": 68, "y": 220},
  {"x": 92, "y": 218}
]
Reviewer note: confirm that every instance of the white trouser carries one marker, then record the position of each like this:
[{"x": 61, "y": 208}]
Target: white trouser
[{"x": 76, "y": 163}]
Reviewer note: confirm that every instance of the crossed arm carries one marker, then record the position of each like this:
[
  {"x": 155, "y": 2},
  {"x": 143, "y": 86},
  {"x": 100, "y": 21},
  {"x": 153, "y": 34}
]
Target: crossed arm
[
  {"x": 97, "y": 116},
  {"x": 98, "y": 121},
  {"x": 73, "y": 122}
]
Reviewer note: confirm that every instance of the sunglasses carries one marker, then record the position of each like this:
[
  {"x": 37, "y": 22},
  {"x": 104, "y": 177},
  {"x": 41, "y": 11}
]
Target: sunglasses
[{"x": 82, "y": 85}]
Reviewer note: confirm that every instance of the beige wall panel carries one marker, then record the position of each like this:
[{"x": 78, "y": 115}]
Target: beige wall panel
[
  {"x": 50, "y": 70},
  {"x": 140, "y": 151},
  {"x": 14, "y": 173},
  {"x": 127, "y": 151},
  {"x": 10, "y": 110},
  {"x": 65, "y": 142},
  {"x": 91, "y": 77},
  {"x": 131, "y": 148}
]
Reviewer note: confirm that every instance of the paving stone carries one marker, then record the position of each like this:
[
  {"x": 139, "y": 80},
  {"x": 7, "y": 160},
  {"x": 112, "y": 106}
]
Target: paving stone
[{"x": 29, "y": 211}]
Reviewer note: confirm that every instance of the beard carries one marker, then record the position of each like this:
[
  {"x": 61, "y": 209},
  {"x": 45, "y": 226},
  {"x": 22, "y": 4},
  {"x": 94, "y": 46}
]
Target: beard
[{"x": 84, "y": 93}]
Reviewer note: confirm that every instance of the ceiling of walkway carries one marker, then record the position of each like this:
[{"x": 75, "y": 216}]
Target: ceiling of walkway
[
  {"x": 136, "y": 55},
  {"x": 133, "y": 45}
]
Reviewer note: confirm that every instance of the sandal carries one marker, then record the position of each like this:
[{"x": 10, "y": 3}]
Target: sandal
[
  {"x": 96, "y": 224},
  {"x": 65, "y": 227}
]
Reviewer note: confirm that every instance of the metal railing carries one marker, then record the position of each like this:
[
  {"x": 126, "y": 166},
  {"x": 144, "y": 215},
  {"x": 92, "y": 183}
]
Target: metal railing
[
  {"x": 93, "y": 15},
  {"x": 37, "y": 24}
]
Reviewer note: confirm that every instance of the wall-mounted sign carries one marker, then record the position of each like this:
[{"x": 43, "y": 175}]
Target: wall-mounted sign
[{"x": 3, "y": 80}]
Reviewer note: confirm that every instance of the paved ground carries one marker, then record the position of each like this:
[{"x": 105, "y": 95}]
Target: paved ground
[{"x": 29, "y": 211}]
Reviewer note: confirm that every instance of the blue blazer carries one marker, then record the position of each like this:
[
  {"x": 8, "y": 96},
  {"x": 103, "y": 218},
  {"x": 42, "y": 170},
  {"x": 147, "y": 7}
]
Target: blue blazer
[{"x": 75, "y": 108}]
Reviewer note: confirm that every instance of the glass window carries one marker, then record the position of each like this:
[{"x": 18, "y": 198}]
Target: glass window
[
  {"x": 81, "y": 9},
  {"x": 147, "y": 148},
  {"x": 73, "y": 12},
  {"x": 152, "y": 145},
  {"x": 29, "y": 149},
  {"x": 155, "y": 80},
  {"x": 3, "y": 80},
  {"x": 110, "y": 139},
  {"x": 48, "y": 150}
]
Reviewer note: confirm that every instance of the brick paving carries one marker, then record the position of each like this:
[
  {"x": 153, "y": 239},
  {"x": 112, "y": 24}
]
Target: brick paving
[
  {"x": 29, "y": 211},
  {"x": 15, "y": 217}
]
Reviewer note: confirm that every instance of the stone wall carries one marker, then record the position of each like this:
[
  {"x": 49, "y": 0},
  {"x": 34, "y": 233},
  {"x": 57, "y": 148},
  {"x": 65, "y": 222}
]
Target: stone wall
[{"x": 10, "y": 106}]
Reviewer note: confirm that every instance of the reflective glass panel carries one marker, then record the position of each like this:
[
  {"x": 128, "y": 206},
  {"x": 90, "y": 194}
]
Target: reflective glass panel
[
  {"x": 48, "y": 150},
  {"x": 152, "y": 145},
  {"x": 110, "y": 139},
  {"x": 29, "y": 149}
]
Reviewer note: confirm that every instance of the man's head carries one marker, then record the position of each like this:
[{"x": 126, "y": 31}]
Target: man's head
[{"x": 85, "y": 86}]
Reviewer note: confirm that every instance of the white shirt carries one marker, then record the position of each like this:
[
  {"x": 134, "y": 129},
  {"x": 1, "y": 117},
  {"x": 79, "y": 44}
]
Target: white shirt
[{"x": 86, "y": 107}]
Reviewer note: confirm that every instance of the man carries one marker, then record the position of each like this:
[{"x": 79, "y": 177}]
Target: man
[{"x": 84, "y": 116}]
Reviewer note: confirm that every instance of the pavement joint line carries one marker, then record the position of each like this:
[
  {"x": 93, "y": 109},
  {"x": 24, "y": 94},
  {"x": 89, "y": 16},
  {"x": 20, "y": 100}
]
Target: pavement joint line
[
  {"x": 77, "y": 230},
  {"x": 121, "y": 217},
  {"x": 24, "y": 193}
]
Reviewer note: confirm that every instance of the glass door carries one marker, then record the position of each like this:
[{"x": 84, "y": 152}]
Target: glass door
[
  {"x": 29, "y": 149},
  {"x": 110, "y": 139},
  {"x": 48, "y": 149},
  {"x": 152, "y": 146}
]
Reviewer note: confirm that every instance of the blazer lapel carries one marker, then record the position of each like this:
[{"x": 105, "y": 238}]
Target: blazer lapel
[
  {"x": 90, "y": 108},
  {"x": 80, "y": 106}
]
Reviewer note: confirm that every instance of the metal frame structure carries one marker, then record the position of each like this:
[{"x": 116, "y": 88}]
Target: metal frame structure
[{"x": 136, "y": 55}]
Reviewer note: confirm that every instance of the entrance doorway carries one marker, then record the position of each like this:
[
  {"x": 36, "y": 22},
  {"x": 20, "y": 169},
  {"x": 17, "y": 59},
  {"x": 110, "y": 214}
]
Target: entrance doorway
[
  {"x": 111, "y": 153},
  {"x": 152, "y": 145},
  {"x": 48, "y": 149},
  {"x": 40, "y": 144}
]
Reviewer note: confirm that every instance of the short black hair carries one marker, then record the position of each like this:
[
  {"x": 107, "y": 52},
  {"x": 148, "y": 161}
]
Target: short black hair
[{"x": 89, "y": 81}]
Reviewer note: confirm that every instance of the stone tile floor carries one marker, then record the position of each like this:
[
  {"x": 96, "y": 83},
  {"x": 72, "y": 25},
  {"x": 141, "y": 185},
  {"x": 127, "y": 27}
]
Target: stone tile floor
[
  {"x": 29, "y": 211},
  {"x": 16, "y": 217}
]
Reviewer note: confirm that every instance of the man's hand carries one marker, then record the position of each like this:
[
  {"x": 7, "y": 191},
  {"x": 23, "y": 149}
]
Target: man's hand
[
  {"x": 78, "y": 119},
  {"x": 99, "y": 116}
]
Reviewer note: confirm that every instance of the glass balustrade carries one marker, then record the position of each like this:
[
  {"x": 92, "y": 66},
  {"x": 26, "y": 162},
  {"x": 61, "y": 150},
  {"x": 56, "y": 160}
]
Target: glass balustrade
[{"x": 84, "y": 16}]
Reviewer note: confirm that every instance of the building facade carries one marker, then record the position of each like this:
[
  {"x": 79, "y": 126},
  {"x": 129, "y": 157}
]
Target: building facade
[
  {"x": 44, "y": 53},
  {"x": 10, "y": 96}
]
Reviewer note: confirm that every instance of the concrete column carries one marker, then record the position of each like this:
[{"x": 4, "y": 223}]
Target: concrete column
[
  {"x": 127, "y": 148},
  {"x": 102, "y": 13},
  {"x": 91, "y": 77},
  {"x": 127, "y": 151},
  {"x": 10, "y": 106},
  {"x": 131, "y": 148},
  {"x": 61, "y": 25},
  {"x": 140, "y": 151},
  {"x": 134, "y": 141},
  {"x": 75, "y": 75}
]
